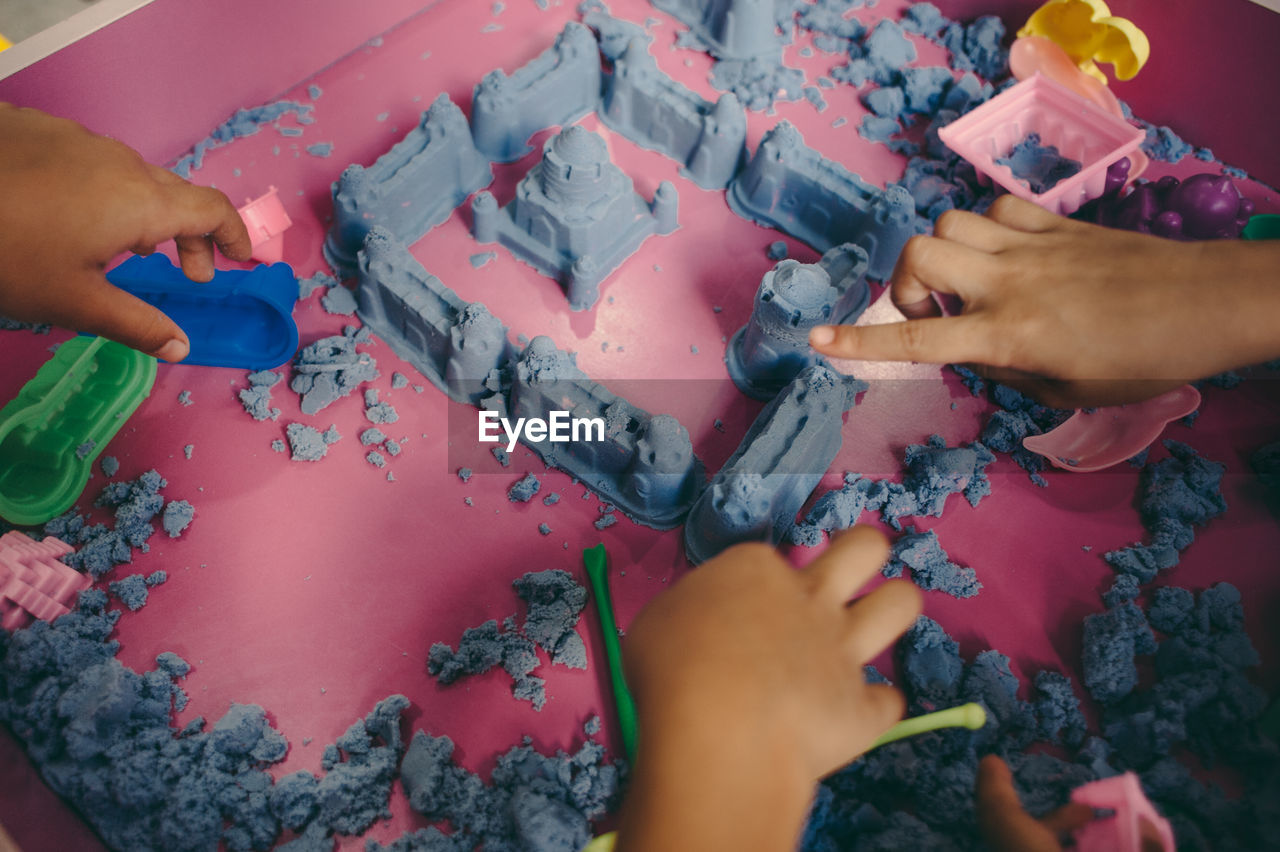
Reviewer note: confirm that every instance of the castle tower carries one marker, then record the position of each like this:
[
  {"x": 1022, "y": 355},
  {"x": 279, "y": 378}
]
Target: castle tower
[{"x": 793, "y": 297}]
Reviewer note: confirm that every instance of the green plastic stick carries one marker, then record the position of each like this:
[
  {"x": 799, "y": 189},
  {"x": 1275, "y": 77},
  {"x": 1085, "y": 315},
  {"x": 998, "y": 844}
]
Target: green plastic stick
[
  {"x": 970, "y": 716},
  {"x": 596, "y": 560}
]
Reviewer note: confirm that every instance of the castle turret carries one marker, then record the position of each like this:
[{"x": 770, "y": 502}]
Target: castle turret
[{"x": 793, "y": 297}]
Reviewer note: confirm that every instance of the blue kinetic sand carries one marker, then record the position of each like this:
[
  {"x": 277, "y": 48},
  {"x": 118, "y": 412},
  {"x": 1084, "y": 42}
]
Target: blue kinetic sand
[
  {"x": 1041, "y": 166},
  {"x": 654, "y": 111},
  {"x": 1176, "y": 495},
  {"x": 793, "y": 297},
  {"x": 781, "y": 459},
  {"x": 531, "y": 802},
  {"x": 575, "y": 216},
  {"x": 332, "y": 368},
  {"x": 409, "y": 189},
  {"x": 555, "y": 603},
  {"x": 239, "y": 319},
  {"x": 452, "y": 342},
  {"x": 730, "y": 29},
  {"x": 930, "y": 566},
  {"x": 645, "y": 465},
  {"x": 789, "y": 186},
  {"x": 559, "y": 86}
]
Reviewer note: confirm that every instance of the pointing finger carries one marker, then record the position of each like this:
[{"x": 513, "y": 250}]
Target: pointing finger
[{"x": 936, "y": 340}]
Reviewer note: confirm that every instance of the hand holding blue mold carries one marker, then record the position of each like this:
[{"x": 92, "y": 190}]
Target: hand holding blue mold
[
  {"x": 746, "y": 658},
  {"x": 1072, "y": 313},
  {"x": 73, "y": 201}
]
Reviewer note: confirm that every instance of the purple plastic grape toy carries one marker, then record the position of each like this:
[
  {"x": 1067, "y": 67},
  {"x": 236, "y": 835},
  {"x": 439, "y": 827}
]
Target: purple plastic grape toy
[{"x": 1202, "y": 207}]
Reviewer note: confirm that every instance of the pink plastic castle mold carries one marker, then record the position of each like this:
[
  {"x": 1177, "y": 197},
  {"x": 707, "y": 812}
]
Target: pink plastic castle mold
[
  {"x": 266, "y": 219},
  {"x": 33, "y": 583},
  {"x": 1123, "y": 832},
  {"x": 1077, "y": 127}
]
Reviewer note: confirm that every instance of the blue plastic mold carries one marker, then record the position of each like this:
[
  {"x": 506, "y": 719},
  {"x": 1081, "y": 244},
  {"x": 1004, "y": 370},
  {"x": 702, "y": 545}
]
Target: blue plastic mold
[
  {"x": 789, "y": 186},
  {"x": 410, "y": 189},
  {"x": 454, "y": 343},
  {"x": 654, "y": 111},
  {"x": 781, "y": 459},
  {"x": 731, "y": 29},
  {"x": 239, "y": 319},
  {"x": 559, "y": 86},
  {"x": 575, "y": 216},
  {"x": 773, "y": 347}
]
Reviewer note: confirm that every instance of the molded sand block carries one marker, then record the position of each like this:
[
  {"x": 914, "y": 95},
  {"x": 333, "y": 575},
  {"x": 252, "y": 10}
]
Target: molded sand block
[
  {"x": 410, "y": 189},
  {"x": 452, "y": 342},
  {"x": 789, "y": 186},
  {"x": 731, "y": 29},
  {"x": 559, "y": 86},
  {"x": 773, "y": 347},
  {"x": 239, "y": 319},
  {"x": 575, "y": 216},
  {"x": 654, "y": 111},
  {"x": 781, "y": 459},
  {"x": 645, "y": 465}
]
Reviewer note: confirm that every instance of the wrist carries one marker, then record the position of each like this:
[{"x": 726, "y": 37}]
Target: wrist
[
  {"x": 1240, "y": 320},
  {"x": 704, "y": 780}
]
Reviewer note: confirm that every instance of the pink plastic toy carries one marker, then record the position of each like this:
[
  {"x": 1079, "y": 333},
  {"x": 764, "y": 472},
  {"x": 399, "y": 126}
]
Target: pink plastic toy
[
  {"x": 1092, "y": 440},
  {"x": 1135, "y": 818},
  {"x": 1077, "y": 127},
  {"x": 1031, "y": 54},
  {"x": 33, "y": 583},
  {"x": 266, "y": 219}
]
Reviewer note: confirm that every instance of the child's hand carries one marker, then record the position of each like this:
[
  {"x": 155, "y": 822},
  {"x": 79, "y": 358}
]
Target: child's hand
[
  {"x": 749, "y": 687},
  {"x": 72, "y": 201},
  {"x": 1074, "y": 313},
  {"x": 1004, "y": 823}
]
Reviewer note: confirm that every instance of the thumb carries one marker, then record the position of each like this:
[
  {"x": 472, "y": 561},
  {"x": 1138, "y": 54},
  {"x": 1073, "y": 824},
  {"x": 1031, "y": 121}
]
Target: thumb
[{"x": 98, "y": 307}]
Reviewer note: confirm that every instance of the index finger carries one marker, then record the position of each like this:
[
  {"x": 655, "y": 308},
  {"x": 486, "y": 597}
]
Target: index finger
[
  {"x": 202, "y": 210},
  {"x": 201, "y": 213},
  {"x": 935, "y": 340}
]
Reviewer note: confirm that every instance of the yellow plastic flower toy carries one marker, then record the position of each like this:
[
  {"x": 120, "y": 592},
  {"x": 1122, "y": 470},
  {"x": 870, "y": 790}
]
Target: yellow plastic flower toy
[{"x": 1089, "y": 33}]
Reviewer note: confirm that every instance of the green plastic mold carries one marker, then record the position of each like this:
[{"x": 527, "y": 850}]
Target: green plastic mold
[
  {"x": 52, "y": 432},
  {"x": 1264, "y": 226}
]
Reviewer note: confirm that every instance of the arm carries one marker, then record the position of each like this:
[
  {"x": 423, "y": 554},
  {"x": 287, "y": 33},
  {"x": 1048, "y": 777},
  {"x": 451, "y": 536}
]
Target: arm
[
  {"x": 1074, "y": 313},
  {"x": 748, "y": 682},
  {"x": 73, "y": 201}
]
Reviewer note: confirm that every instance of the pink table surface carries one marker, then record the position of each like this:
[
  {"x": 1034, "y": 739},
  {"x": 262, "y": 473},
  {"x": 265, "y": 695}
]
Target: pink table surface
[{"x": 316, "y": 589}]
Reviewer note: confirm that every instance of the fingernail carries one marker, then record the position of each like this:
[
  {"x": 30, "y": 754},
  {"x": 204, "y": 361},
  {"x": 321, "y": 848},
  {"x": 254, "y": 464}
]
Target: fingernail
[
  {"x": 822, "y": 335},
  {"x": 174, "y": 350}
]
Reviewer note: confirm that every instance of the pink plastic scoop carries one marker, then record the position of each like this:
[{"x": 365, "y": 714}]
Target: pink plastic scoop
[
  {"x": 1088, "y": 441},
  {"x": 1134, "y": 820},
  {"x": 1031, "y": 54}
]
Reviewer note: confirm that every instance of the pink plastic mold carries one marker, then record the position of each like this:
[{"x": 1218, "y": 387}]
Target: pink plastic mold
[
  {"x": 1036, "y": 54},
  {"x": 1091, "y": 440},
  {"x": 266, "y": 219},
  {"x": 1122, "y": 832},
  {"x": 1077, "y": 127},
  {"x": 33, "y": 583}
]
